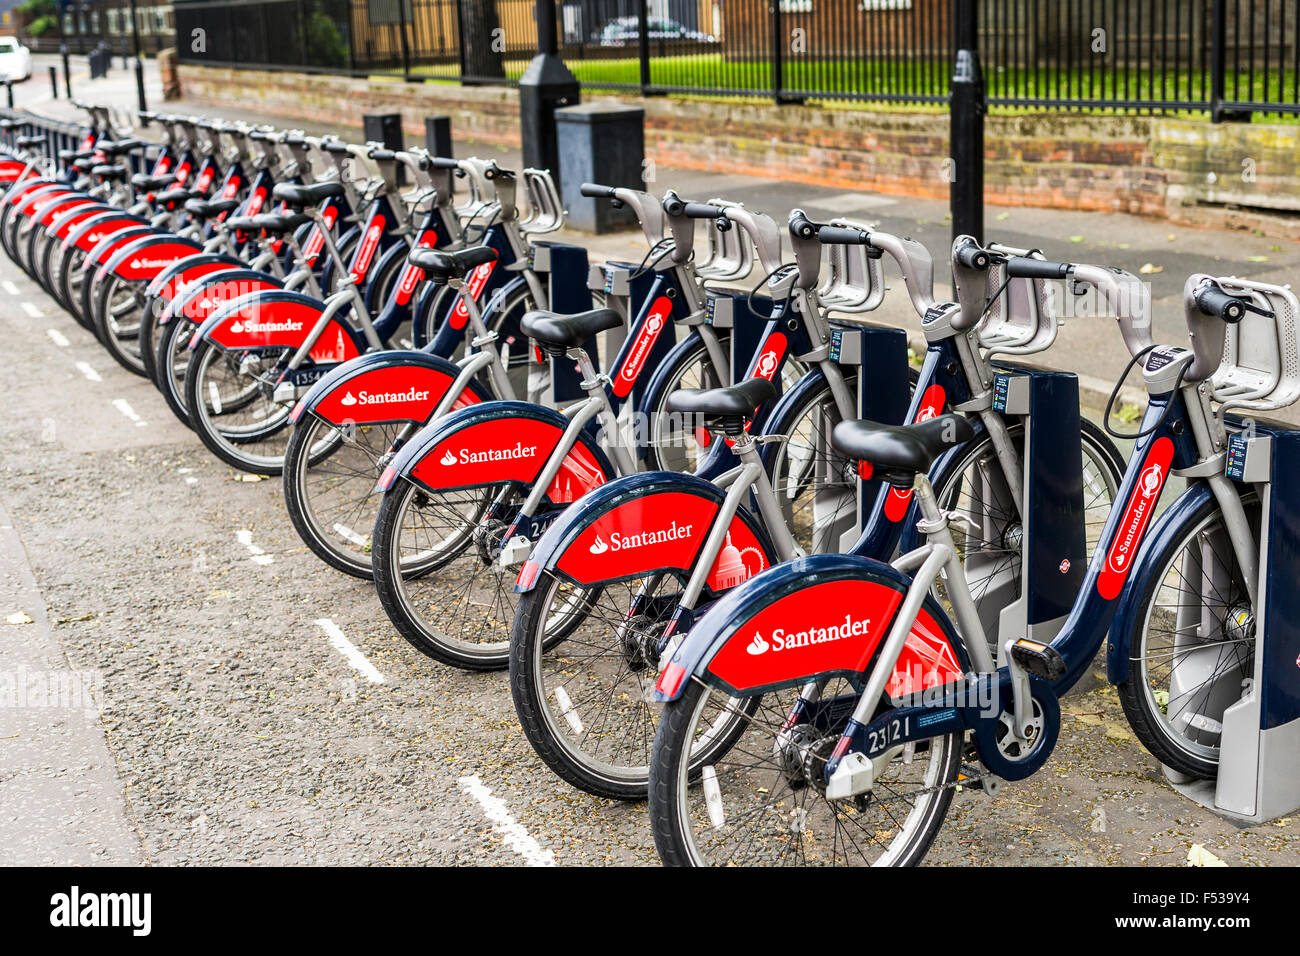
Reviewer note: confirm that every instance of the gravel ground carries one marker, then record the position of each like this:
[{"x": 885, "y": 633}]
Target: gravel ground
[{"x": 240, "y": 734}]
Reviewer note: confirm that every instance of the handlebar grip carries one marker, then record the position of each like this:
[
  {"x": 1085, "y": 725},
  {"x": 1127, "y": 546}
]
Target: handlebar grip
[
  {"x": 1026, "y": 267},
  {"x": 973, "y": 257},
  {"x": 1212, "y": 300},
  {"x": 801, "y": 227},
  {"x": 842, "y": 235},
  {"x": 702, "y": 210},
  {"x": 596, "y": 191},
  {"x": 295, "y": 140},
  {"x": 443, "y": 162},
  {"x": 335, "y": 147}
]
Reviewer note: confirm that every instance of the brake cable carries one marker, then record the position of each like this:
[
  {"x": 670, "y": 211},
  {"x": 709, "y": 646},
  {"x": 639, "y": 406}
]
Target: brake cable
[{"x": 1110, "y": 403}]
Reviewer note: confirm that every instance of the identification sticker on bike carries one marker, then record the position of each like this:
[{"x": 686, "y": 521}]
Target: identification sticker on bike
[
  {"x": 366, "y": 251},
  {"x": 898, "y": 500},
  {"x": 659, "y": 532},
  {"x": 640, "y": 350},
  {"x": 474, "y": 285},
  {"x": 148, "y": 262},
  {"x": 1137, "y": 515},
  {"x": 829, "y": 628},
  {"x": 394, "y": 393},
  {"x": 284, "y": 325},
  {"x": 413, "y": 274}
]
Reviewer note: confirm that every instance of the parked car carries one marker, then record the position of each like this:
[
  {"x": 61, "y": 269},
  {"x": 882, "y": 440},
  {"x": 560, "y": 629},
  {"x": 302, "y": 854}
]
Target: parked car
[
  {"x": 623, "y": 31},
  {"x": 15, "y": 60}
]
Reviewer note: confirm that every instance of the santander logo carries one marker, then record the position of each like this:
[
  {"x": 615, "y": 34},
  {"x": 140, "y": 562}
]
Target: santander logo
[
  {"x": 467, "y": 457},
  {"x": 1141, "y": 505},
  {"x": 384, "y": 398},
  {"x": 645, "y": 341},
  {"x": 252, "y": 327},
  {"x": 783, "y": 640},
  {"x": 473, "y": 285},
  {"x": 150, "y": 263},
  {"x": 625, "y": 542},
  {"x": 1148, "y": 487},
  {"x": 367, "y": 250}
]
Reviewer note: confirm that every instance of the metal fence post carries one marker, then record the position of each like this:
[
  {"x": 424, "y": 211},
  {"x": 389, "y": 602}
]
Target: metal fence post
[
  {"x": 54, "y": 83},
  {"x": 778, "y": 51},
  {"x": 67, "y": 71},
  {"x": 643, "y": 42},
  {"x": 1217, "y": 60},
  {"x": 966, "y": 125},
  {"x": 406, "y": 47}
]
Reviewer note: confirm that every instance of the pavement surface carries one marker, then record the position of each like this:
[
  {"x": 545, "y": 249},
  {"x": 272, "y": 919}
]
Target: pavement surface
[{"x": 199, "y": 688}]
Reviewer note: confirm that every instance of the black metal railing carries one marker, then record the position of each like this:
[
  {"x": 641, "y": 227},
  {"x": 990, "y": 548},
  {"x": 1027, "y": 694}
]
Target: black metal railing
[{"x": 1227, "y": 58}]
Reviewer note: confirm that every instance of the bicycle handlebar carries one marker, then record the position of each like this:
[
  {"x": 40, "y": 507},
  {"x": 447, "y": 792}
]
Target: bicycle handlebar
[
  {"x": 1026, "y": 267},
  {"x": 1211, "y": 300},
  {"x": 596, "y": 191}
]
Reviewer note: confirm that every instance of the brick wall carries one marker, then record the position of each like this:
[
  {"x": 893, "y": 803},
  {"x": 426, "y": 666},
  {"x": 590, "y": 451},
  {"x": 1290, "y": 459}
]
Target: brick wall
[{"x": 1143, "y": 165}]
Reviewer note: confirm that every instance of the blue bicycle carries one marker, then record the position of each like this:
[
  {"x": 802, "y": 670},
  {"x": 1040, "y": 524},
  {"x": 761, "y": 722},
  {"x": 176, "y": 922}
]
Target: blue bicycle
[{"x": 860, "y": 694}]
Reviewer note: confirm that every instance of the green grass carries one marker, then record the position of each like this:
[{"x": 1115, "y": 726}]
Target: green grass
[{"x": 828, "y": 81}]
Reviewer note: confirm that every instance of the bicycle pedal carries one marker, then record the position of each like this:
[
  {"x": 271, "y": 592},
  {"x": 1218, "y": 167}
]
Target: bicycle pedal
[
  {"x": 975, "y": 778},
  {"x": 1040, "y": 660}
]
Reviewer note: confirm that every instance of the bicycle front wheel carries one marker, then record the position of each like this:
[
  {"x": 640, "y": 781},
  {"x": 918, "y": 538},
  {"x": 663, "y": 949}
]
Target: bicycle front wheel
[
  {"x": 1192, "y": 648},
  {"x": 756, "y": 805}
]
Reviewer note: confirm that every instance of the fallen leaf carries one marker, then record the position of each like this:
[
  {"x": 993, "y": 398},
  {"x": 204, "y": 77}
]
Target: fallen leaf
[
  {"x": 1076, "y": 238},
  {"x": 1150, "y": 269},
  {"x": 73, "y": 620},
  {"x": 1200, "y": 856},
  {"x": 19, "y": 618},
  {"x": 1257, "y": 258},
  {"x": 1003, "y": 216}
]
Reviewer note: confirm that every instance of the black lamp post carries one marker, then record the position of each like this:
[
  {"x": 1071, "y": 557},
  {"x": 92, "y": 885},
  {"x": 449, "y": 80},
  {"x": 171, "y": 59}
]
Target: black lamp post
[
  {"x": 139, "y": 66},
  {"x": 546, "y": 85}
]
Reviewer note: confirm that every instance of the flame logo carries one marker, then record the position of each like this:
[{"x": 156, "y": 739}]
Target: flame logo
[
  {"x": 237, "y": 327},
  {"x": 448, "y": 458},
  {"x": 599, "y": 546},
  {"x": 350, "y": 399},
  {"x": 757, "y": 645},
  {"x": 1150, "y": 482}
]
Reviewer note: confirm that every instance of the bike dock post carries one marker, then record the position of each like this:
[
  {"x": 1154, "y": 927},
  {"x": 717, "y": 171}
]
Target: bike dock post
[{"x": 1259, "y": 743}]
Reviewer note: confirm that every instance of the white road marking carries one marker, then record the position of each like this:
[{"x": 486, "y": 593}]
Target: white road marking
[
  {"x": 245, "y": 537},
  {"x": 351, "y": 535},
  {"x": 10, "y": 288},
  {"x": 31, "y": 309},
  {"x": 852, "y": 202},
  {"x": 349, "y": 651},
  {"x": 566, "y": 710},
  {"x": 58, "y": 338},
  {"x": 123, "y": 406},
  {"x": 516, "y": 837},
  {"x": 713, "y": 798},
  {"x": 85, "y": 369}
]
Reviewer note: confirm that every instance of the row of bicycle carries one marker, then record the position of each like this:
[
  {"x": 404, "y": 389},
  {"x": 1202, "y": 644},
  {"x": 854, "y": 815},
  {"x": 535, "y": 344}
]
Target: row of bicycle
[{"x": 751, "y": 564}]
